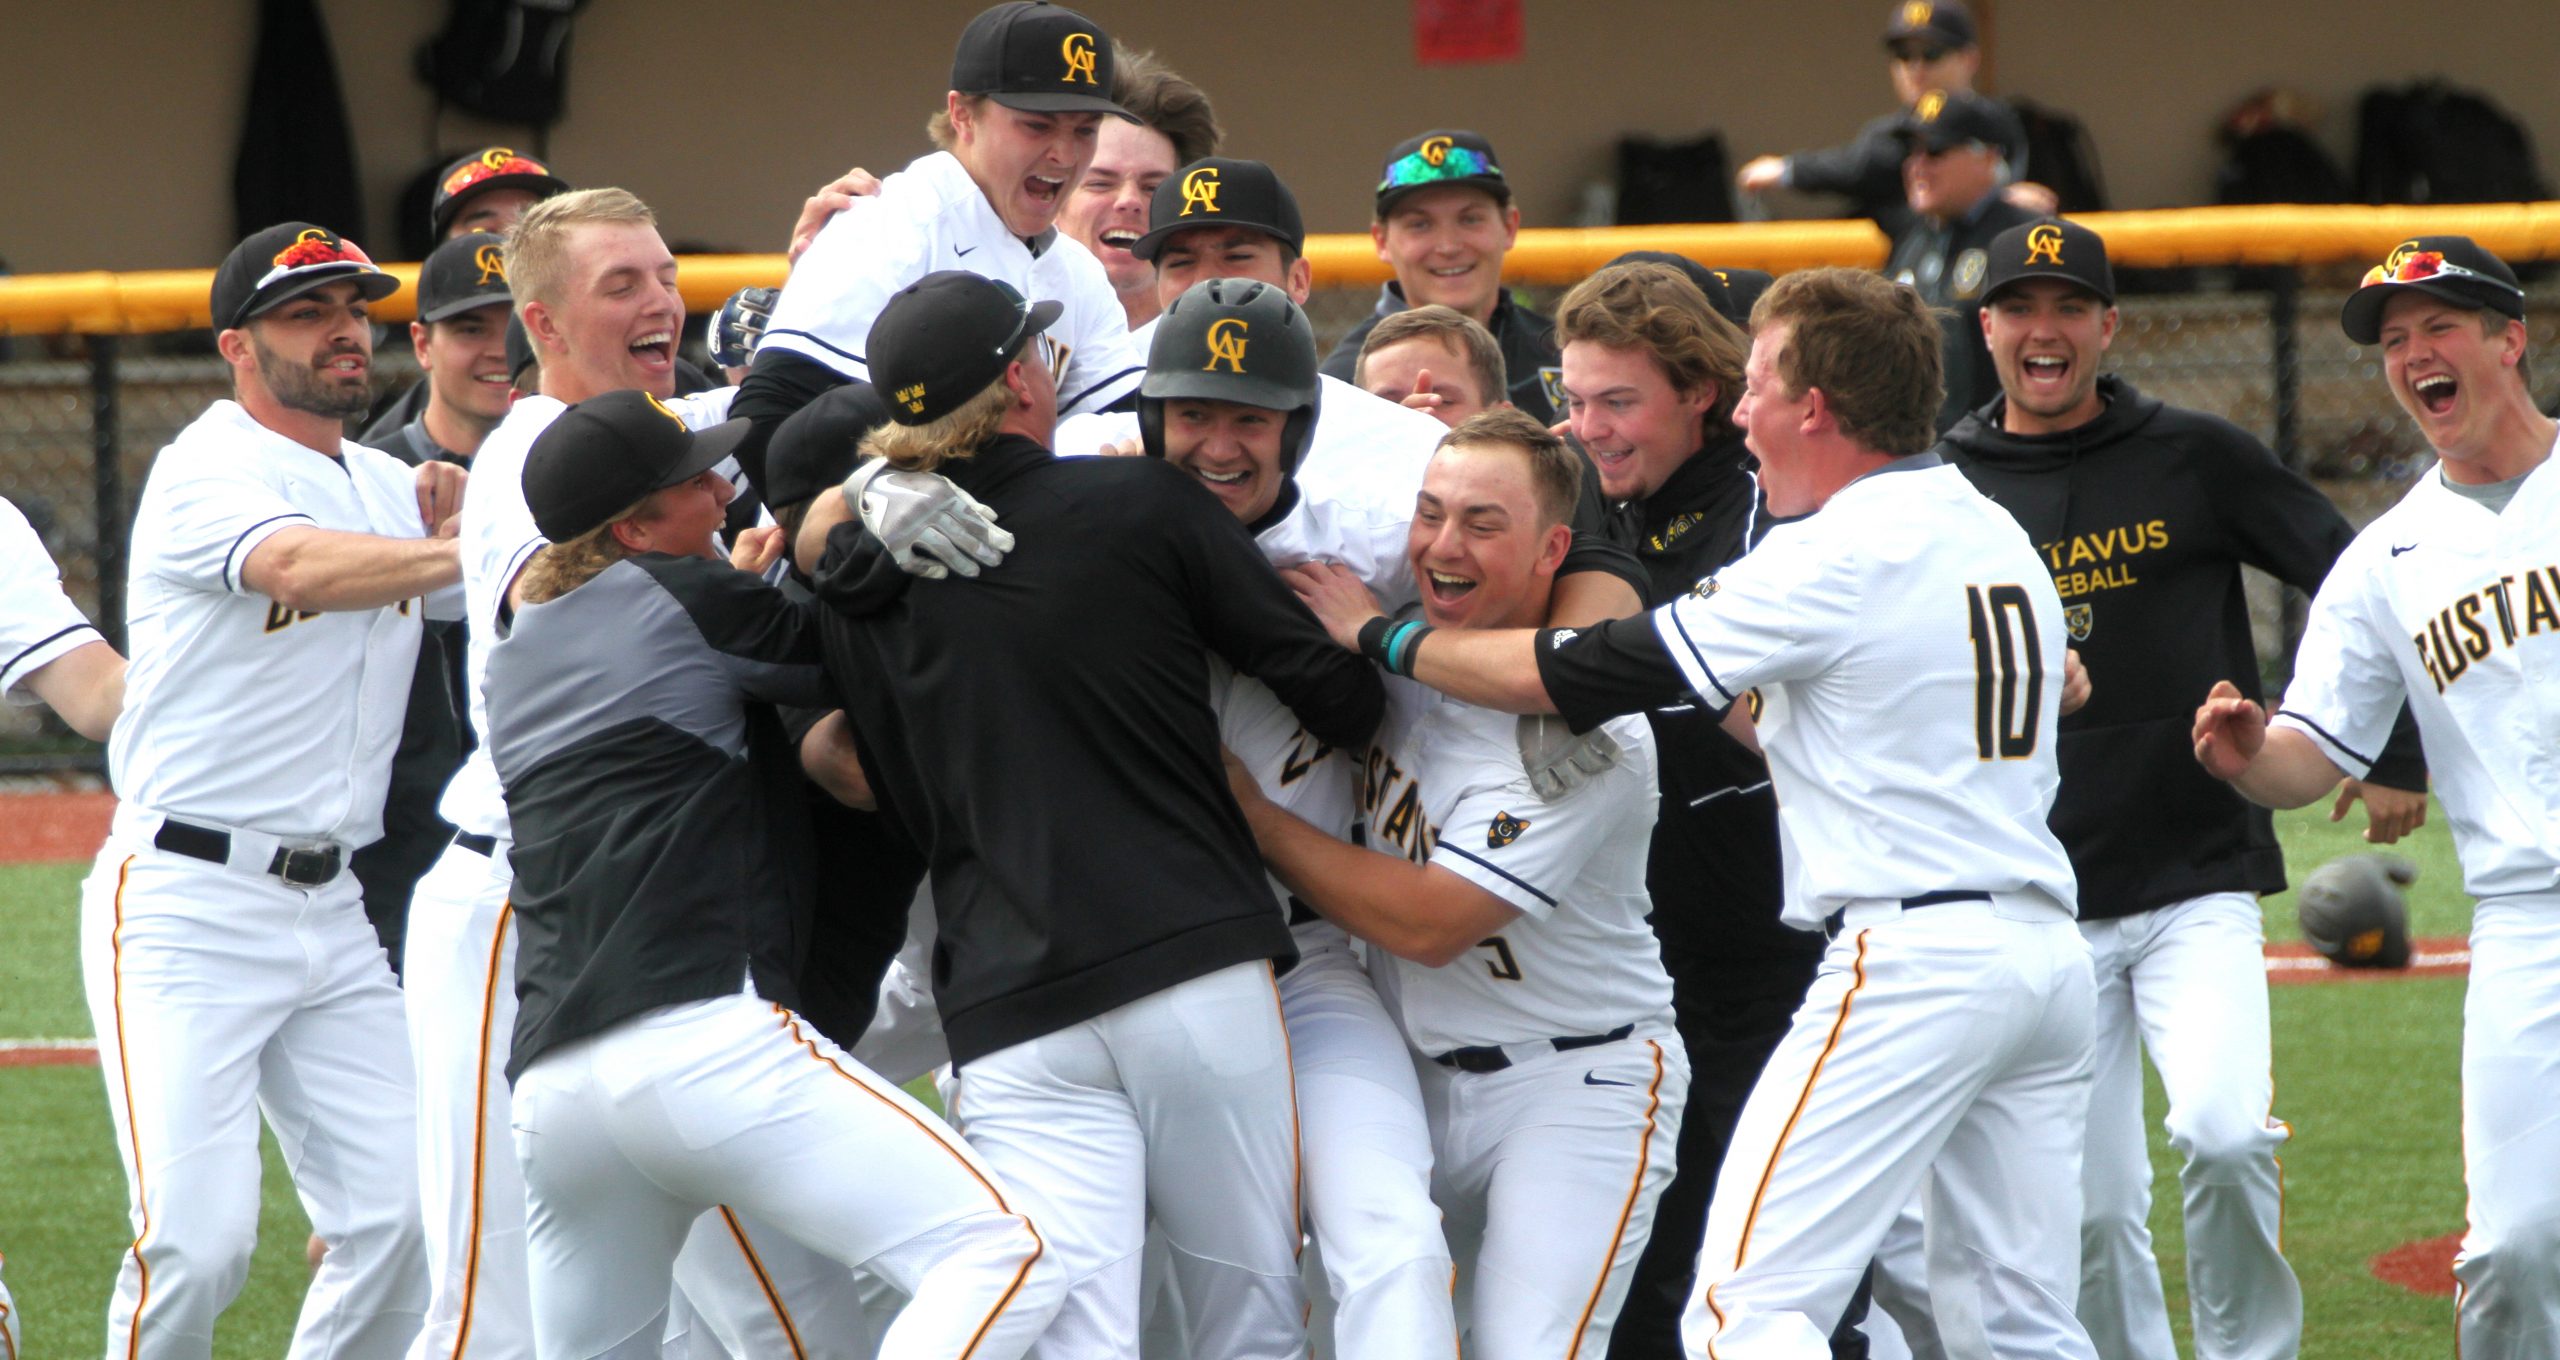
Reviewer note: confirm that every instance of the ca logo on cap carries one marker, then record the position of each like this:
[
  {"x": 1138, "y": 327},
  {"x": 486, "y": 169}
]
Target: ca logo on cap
[
  {"x": 1435, "y": 150},
  {"x": 661, "y": 408},
  {"x": 2044, "y": 245},
  {"x": 1226, "y": 345},
  {"x": 1915, "y": 14},
  {"x": 1930, "y": 103},
  {"x": 492, "y": 262},
  {"x": 911, "y": 396},
  {"x": 2399, "y": 255},
  {"x": 1078, "y": 50},
  {"x": 1200, "y": 190}
]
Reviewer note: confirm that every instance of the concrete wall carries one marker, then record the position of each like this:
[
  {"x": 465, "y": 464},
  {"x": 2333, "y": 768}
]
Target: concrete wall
[{"x": 122, "y": 115}]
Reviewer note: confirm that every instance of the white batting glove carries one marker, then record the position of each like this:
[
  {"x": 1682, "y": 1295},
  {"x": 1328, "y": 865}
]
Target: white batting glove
[
  {"x": 930, "y": 527},
  {"x": 1557, "y": 761}
]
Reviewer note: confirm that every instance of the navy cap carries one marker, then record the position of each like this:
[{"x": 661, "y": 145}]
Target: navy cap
[
  {"x": 286, "y": 261},
  {"x": 601, "y": 456},
  {"x": 817, "y": 447},
  {"x": 2454, "y": 269},
  {"x": 943, "y": 338},
  {"x": 1037, "y": 57},
  {"x": 466, "y": 272},
  {"x": 1441, "y": 156},
  {"x": 495, "y": 167},
  {"x": 1944, "y": 22},
  {"x": 2049, "y": 248},
  {"x": 1218, "y": 192}
]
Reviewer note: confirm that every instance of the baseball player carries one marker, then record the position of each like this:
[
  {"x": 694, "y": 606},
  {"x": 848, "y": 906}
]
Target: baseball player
[
  {"x": 2145, "y": 514},
  {"x": 2451, "y": 602},
  {"x": 660, "y": 1069},
  {"x": 1507, "y": 929},
  {"x": 488, "y": 190},
  {"x": 1434, "y": 359},
  {"x": 1029, "y": 84},
  {"x": 595, "y": 287},
  {"x": 1105, "y": 980},
  {"x": 1106, "y": 209},
  {"x": 278, "y": 577},
  {"x": 49, "y": 652},
  {"x": 460, "y": 341},
  {"x": 1907, "y": 687}
]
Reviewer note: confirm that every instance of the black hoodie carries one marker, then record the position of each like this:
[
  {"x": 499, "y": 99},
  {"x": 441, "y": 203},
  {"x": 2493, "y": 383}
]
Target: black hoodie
[{"x": 2145, "y": 516}]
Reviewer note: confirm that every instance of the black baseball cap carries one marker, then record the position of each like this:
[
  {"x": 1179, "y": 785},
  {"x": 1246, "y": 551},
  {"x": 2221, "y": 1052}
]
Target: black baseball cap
[
  {"x": 2453, "y": 268},
  {"x": 466, "y": 272},
  {"x": 1218, "y": 192},
  {"x": 1037, "y": 57},
  {"x": 1730, "y": 292},
  {"x": 520, "y": 355},
  {"x": 943, "y": 338},
  {"x": 1944, "y": 22},
  {"x": 1942, "y": 121},
  {"x": 817, "y": 447},
  {"x": 2049, "y": 248},
  {"x": 603, "y": 454},
  {"x": 288, "y": 260},
  {"x": 494, "y": 167},
  {"x": 1441, "y": 156}
]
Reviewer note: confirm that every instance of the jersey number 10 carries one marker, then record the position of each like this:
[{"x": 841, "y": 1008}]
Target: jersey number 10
[{"x": 2008, "y": 670}]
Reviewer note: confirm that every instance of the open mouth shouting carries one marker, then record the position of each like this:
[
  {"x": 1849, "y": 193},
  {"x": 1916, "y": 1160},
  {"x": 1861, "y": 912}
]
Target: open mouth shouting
[
  {"x": 656, "y": 350},
  {"x": 1447, "y": 589},
  {"x": 2436, "y": 393}
]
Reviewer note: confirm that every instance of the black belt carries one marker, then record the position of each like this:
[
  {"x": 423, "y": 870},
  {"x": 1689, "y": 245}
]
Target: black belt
[
  {"x": 484, "y": 846},
  {"x": 301, "y": 868},
  {"x": 1831, "y": 924},
  {"x": 1491, "y": 1058}
]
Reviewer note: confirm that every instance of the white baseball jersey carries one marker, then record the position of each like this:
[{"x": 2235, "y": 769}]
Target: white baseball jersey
[
  {"x": 37, "y": 621},
  {"x": 1852, "y": 622},
  {"x": 498, "y": 538},
  {"x": 2457, "y": 608},
  {"x": 1296, "y": 771},
  {"x": 932, "y": 216},
  {"x": 238, "y": 711},
  {"x": 1443, "y": 785},
  {"x": 1356, "y": 485}
]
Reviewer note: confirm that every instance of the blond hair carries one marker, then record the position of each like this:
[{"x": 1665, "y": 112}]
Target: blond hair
[
  {"x": 555, "y": 569},
  {"x": 922, "y": 448},
  {"x": 537, "y": 249}
]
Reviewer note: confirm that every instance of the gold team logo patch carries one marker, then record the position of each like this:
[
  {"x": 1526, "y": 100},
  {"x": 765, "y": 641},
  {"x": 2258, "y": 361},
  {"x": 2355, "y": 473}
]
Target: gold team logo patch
[
  {"x": 1551, "y": 383},
  {"x": 2078, "y": 618},
  {"x": 1672, "y": 532},
  {"x": 1200, "y": 190},
  {"x": 661, "y": 408},
  {"x": 1226, "y": 345},
  {"x": 1434, "y": 150},
  {"x": 911, "y": 396},
  {"x": 2399, "y": 255},
  {"x": 1505, "y": 829},
  {"x": 1931, "y": 104},
  {"x": 1078, "y": 50},
  {"x": 1704, "y": 588},
  {"x": 1970, "y": 267},
  {"x": 492, "y": 263},
  {"x": 1915, "y": 14},
  {"x": 2044, "y": 245}
]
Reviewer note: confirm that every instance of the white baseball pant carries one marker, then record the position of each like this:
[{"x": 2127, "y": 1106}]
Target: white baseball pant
[
  {"x": 2508, "y": 1272},
  {"x": 1549, "y": 1171},
  {"x": 1945, "y": 1046},
  {"x": 219, "y": 995},
  {"x": 628, "y": 1136},
  {"x": 1180, "y": 1102},
  {"x": 2189, "y": 982}
]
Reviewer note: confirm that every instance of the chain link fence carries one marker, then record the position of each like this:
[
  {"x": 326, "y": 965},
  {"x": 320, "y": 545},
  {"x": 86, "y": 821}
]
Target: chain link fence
[{"x": 2271, "y": 360}]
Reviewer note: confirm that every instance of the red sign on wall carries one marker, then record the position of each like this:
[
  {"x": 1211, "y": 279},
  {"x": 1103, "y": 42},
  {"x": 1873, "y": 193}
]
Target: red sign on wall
[{"x": 1460, "y": 32}]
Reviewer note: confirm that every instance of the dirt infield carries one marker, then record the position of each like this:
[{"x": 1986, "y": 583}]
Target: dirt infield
[
  {"x": 2424, "y": 1267},
  {"x": 48, "y": 828}
]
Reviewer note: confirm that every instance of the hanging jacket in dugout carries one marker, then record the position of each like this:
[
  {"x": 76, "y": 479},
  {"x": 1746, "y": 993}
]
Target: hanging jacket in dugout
[{"x": 2144, "y": 516}]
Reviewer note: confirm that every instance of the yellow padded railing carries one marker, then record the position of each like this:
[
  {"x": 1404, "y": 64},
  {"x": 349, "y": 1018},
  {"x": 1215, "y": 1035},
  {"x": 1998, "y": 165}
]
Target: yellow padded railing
[{"x": 177, "y": 299}]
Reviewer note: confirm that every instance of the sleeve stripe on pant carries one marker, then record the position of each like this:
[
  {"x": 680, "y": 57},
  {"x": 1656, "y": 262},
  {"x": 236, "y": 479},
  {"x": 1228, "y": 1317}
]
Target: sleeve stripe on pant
[
  {"x": 1039, "y": 1245},
  {"x": 764, "y": 1281},
  {"x": 480, "y": 1128},
  {"x": 132, "y": 1126},
  {"x": 1830, "y": 1045},
  {"x": 1635, "y": 1189}
]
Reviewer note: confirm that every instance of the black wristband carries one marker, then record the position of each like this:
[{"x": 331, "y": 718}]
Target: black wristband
[{"x": 1373, "y": 639}]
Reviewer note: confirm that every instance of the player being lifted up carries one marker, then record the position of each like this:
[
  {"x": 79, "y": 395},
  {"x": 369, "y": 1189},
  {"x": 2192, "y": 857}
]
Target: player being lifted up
[
  {"x": 2451, "y": 600},
  {"x": 1907, "y": 650},
  {"x": 1508, "y": 927}
]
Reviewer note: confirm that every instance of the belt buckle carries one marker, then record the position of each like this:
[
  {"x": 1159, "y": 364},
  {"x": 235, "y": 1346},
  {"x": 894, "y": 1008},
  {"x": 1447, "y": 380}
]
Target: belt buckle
[{"x": 305, "y": 868}]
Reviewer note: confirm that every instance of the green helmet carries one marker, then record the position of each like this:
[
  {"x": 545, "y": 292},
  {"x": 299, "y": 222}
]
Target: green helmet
[{"x": 1235, "y": 340}]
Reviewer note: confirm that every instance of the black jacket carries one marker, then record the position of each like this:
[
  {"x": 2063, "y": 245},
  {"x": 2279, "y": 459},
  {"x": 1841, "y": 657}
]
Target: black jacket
[
  {"x": 1714, "y": 871},
  {"x": 1866, "y": 169},
  {"x": 661, "y": 852},
  {"x": 1530, "y": 358},
  {"x": 1946, "y": 263},
  {"x": 1043, "y": 733},
  {"x": 2145, "y": 516}
]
